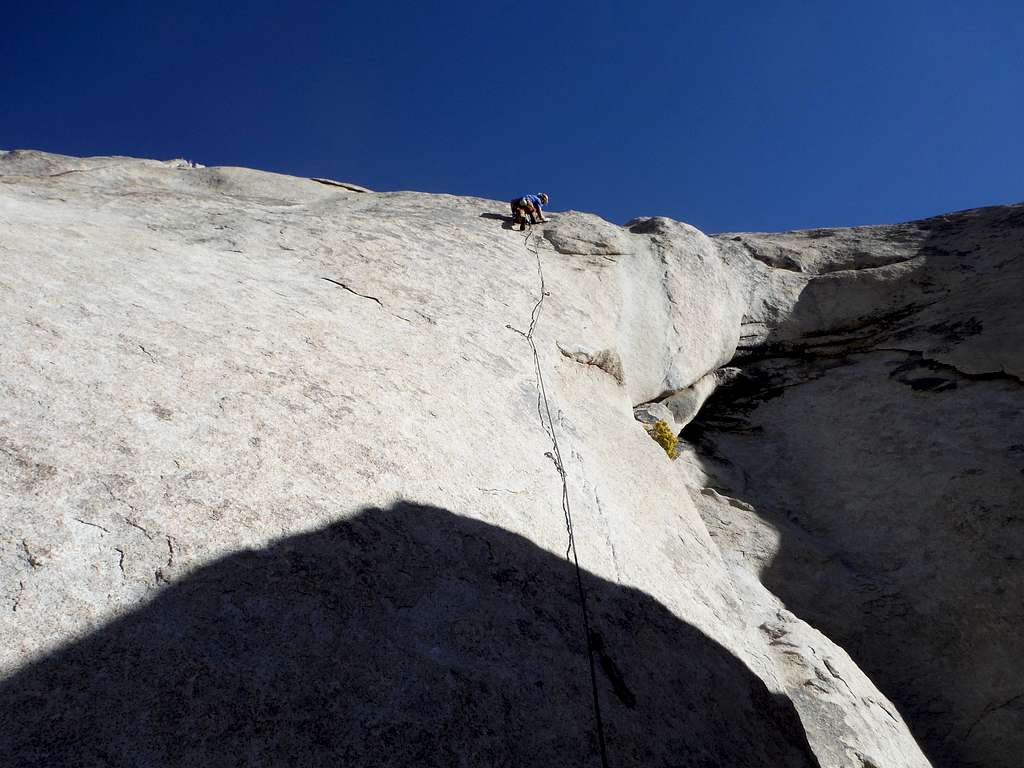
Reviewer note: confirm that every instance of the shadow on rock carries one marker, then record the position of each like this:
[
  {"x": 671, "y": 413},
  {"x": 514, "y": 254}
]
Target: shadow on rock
[
  {"x": 402, "y": 636},
  {"x": 896, "y": 484},
  {"x": 507, "y": 221}
]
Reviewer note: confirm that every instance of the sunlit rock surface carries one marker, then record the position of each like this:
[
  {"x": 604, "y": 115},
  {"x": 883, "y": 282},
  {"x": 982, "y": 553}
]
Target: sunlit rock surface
[{"x": 275, "y": 486}]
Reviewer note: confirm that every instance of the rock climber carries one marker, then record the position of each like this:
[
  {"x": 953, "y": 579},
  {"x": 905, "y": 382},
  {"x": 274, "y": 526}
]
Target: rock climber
[{"x": 529, "y": 205}]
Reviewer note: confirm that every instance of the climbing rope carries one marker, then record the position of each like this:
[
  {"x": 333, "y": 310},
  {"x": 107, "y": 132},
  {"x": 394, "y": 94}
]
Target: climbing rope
[{"x": 544, "y": 413}]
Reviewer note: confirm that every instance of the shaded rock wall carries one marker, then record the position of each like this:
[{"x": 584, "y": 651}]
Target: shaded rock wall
[
  {"x": 878, "y": 428},
  {"x": 399, "y": 636}
]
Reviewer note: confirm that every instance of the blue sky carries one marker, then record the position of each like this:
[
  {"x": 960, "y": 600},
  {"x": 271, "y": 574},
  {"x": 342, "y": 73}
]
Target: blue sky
[{"x": 741, "y": 116}]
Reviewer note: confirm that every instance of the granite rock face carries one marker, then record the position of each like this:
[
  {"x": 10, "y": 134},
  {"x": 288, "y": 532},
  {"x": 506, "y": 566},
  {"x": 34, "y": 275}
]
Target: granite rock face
[
  {"x": 276, "y": 484},
  {"x": 878, "y": 427}
]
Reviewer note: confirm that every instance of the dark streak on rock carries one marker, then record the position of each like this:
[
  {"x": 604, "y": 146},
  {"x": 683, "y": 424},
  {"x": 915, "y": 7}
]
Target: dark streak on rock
[
  {"x": 918, "y": 360},
  {"x": 162, "y": 412}
]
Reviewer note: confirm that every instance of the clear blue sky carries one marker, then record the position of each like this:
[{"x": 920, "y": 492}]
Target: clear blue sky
[{"x": 731, "y": 116}]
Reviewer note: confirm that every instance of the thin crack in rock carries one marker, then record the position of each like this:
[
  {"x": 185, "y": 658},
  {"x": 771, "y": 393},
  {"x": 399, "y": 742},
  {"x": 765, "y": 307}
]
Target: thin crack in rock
[
  {"x": 128, "y": 520},
  {"x": 33, "y": 561},
  {"x": 835, "y": 673},
  {"x": 882, "y": 707},
  {"x": 120, "y": 562},
  {"x": 16, "y": 602},
  {"x": 94, "y": 525},
  {"x": 135, "y": 525},
  {"x": 426, "y": 317},
  {"x": 989, "y": 710},
  {"x": 353, "y": 292},
  {"x": 607, "y": 537}
]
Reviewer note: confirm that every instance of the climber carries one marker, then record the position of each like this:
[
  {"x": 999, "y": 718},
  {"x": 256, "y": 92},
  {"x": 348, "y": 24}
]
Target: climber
[{"x": 529, "y": 205}]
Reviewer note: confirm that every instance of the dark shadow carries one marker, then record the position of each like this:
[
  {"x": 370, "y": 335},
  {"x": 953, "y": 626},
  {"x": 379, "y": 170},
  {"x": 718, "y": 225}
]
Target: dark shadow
[
  {"x": 506, "y": 220},
  {"x": 403, "y": 636},
  {"x": 896, "y": 483}
]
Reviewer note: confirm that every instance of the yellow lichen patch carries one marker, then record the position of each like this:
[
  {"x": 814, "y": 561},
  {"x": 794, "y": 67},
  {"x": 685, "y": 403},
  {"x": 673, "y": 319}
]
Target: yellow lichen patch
[{"x": 663, "y": 436}]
